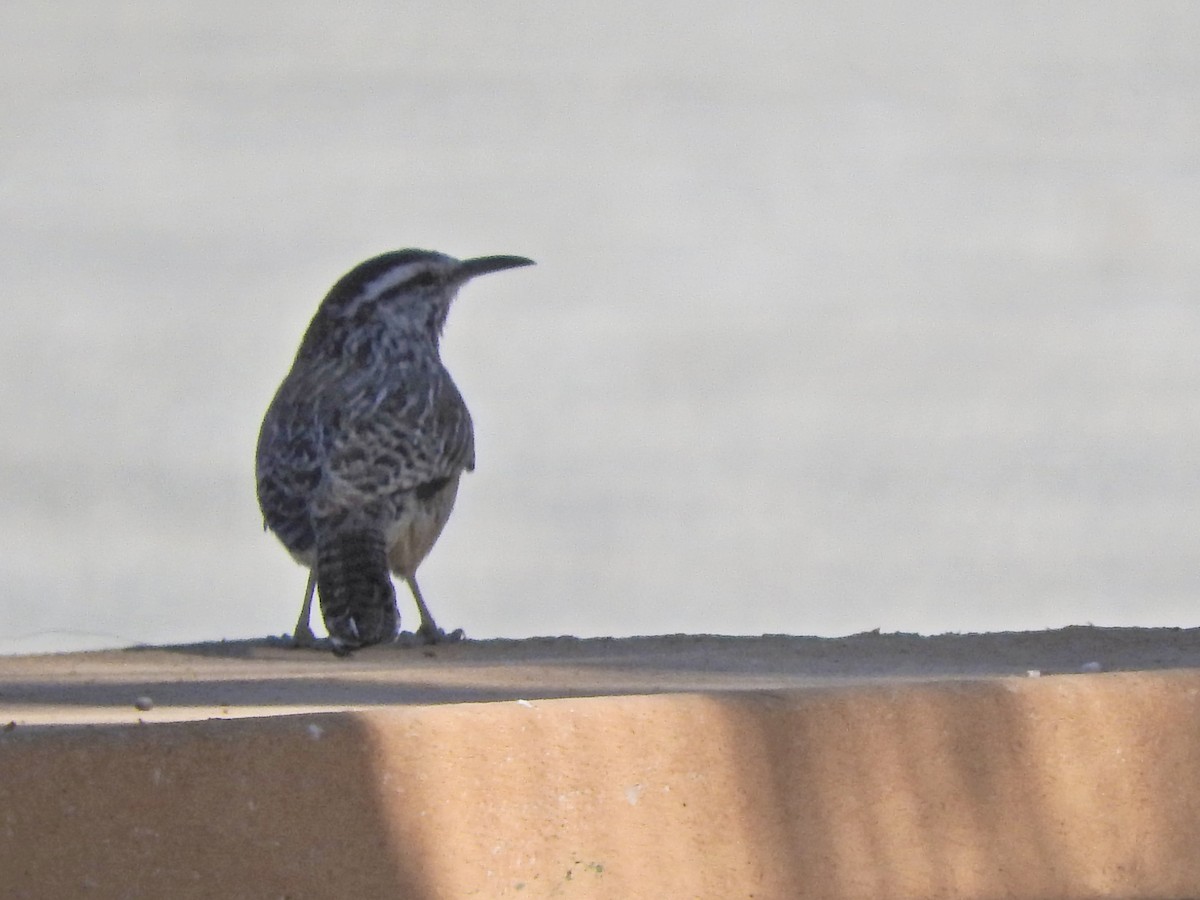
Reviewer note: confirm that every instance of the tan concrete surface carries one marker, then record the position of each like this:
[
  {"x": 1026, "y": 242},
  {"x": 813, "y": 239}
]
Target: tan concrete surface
[{"x": 775, "y": 767}]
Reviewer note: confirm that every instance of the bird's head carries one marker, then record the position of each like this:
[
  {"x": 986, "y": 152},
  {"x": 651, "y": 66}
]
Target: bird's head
[{"x": 405, "y": 290}]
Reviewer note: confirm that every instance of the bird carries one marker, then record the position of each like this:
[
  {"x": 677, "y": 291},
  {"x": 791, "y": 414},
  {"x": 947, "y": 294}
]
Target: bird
[{"x": 361, "y": 450}]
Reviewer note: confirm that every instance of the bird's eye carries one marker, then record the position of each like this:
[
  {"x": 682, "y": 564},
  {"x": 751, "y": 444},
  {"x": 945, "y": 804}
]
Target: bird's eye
[{"x": 424, "y": 279}]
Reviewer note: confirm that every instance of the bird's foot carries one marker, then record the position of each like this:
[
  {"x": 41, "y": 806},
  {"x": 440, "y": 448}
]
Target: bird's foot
[
  {"x": 303, "y": 638},
  {"x": 424, "y": 637},
  {"x": 435, "y": 635}
]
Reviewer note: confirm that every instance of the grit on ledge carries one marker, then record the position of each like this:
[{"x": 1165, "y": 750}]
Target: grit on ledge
[
  {"x": 239, "y": 678},
  {"x": 875, "y": 765}
]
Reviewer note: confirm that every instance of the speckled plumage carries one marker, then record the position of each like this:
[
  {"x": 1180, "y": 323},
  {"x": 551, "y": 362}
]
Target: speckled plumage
[{"x": 361, "y": 450}]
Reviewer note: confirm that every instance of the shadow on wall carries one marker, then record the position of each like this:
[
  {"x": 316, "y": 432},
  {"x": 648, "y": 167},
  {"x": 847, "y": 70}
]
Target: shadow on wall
[
  {"x": 282, "y": 808},
  {"x": 1077, "y": 786},
  {"x": 1072, "y": 787}
]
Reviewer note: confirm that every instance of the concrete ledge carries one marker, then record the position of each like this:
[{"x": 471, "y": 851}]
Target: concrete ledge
[{"x": 1064, "y": 786}]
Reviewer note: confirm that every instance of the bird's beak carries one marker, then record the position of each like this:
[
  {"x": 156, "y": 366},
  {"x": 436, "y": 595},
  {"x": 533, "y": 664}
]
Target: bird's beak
[{"x": 481, "y": 265}]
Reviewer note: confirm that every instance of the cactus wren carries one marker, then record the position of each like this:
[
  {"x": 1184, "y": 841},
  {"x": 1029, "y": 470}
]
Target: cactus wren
[{"x": 361, "y": 450}]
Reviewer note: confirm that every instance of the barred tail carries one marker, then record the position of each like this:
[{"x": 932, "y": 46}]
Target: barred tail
[{"x": 358, "y": 601}]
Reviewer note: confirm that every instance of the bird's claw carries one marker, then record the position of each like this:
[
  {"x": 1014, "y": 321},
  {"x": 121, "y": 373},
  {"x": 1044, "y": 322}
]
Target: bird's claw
[
  {"x": 303, "y": 638},
  {"x": 424, "y": 637},
  {"x": 435, "y": 635}
]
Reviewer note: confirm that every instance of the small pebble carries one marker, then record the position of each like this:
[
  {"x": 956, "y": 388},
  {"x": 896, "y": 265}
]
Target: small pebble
[
  {"x": 1091, "y": 667},
  {"x": 1034, "y": 673},
  {"x": 143, "y": 704},
  {"x": 525, "y": 703}
]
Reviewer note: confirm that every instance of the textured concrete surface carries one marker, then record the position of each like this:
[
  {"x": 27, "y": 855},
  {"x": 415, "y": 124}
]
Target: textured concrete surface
[
  {"x": 719, "y": 777},
  {"x": 249, "y": 678}
]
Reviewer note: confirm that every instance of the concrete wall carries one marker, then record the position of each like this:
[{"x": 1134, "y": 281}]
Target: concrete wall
[{"x": 1066, "y": 786}]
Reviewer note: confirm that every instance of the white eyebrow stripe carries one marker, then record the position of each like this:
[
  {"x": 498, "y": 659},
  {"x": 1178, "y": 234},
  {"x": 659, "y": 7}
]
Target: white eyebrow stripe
[{"x": 377, "y": 287}]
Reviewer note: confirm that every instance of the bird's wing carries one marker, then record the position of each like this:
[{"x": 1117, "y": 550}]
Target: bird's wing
[
  {"x": 292, "y": 455},
  {"x": 402, "y": 438}
]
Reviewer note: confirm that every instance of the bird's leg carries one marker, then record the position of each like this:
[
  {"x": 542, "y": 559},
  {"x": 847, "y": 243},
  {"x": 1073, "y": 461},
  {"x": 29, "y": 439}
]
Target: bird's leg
[
  {"x": 302, "y": 635},
  {"x": 428, "y": 630}
]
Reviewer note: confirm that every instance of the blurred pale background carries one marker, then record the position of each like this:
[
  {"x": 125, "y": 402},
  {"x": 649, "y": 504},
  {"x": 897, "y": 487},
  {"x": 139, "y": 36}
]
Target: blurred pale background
[{"x": 847, "y": 315}]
